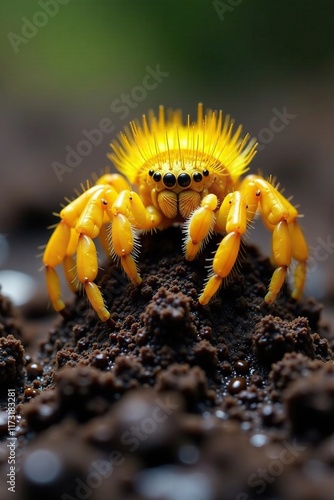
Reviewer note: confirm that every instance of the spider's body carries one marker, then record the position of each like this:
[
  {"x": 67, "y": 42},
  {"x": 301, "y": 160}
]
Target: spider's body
[{"x": 174, "y": 172}]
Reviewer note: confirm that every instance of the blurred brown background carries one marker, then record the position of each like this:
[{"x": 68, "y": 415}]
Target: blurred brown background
[{"x": 70, "y": 67}]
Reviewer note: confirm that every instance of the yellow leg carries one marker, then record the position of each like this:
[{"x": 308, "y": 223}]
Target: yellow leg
[
  {"x": 55, "y": 250},
  {"x": 71, "y": 213},
  {"x": 199, "y": 226},
  {"x": 276, "y": 283},
  {"x": 299, "y": 278},
  {"x": 281, "y": 251},
  {"x": 95, "y": 298},
  {"x": 81, "y": 221},
  {"x": 94, "y": 212},
  {"x": 87, "y": 269},
  {"x": 300, "y": 253},
  {"x": 288, "y": 242},
  {"x": 279, "y": 216},
  {"x": 69, "y": 262},
  {"x": 232, "y": 218},
  {"x": 53, "y": 286},
  {"x": 123, "y": 244},
  {"x": 54, "y": 254},
  {"x": 128, "y": 204},
  {"x": 91, "y": 219},
  {"x": 281, "y": 244},
  {"x": 130, "y": 268},
  {"x": 223, "y": 262}
]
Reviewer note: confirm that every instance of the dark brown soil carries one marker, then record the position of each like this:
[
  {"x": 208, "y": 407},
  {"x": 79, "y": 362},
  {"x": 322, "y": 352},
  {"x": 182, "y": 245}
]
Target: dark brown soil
[{"x": 171, "y": 400}]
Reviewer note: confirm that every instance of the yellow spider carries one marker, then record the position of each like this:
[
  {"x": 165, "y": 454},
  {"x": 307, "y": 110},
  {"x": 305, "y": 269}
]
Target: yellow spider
[{"x": 188, "y": 173}]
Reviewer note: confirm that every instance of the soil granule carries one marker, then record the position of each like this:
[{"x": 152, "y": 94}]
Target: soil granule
[{"x": 171, "y": 400}]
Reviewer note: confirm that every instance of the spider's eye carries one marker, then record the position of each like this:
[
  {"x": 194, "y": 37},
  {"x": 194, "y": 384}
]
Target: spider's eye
[
  {"x": 205, "y": 172},
  {"x": 184, "y": 180},
  {"x": 151, "y": 172},
  {"x": 197, "y": 177},
  {"x": 157, "y": 177},
  {"x": 169, "y": 180}
]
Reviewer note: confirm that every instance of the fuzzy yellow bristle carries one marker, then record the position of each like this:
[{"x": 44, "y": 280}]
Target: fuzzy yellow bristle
[{"x": 210, "y": 140}]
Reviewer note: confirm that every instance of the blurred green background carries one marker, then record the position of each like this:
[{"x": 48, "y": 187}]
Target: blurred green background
[{"x": 67, "y": 64}]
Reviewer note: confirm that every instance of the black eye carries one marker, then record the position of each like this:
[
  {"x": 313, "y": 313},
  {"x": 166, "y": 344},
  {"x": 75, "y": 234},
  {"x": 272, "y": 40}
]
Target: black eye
[
  {"x": 205, "y": 172},
  {"x": 184, "y": 180},
  {"x": 197, "y": 177},
  {"x": 157, "y": 177},
  {"x": 150, "y": 172},
  {"x": 169, "y": 180}
]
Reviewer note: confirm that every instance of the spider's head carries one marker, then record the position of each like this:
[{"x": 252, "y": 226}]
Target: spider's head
[
  {"x": 168, "y": 154},
  {"x": 178, "y": 182}
]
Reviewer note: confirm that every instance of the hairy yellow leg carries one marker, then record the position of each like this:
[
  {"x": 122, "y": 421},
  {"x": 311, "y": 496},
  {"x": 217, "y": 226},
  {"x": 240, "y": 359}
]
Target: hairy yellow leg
[
  {"x": 300, "y": 253},
  {"x": 53, "y": 286},
  {"x": 145, "y": 217},
  {"x": 130, "y": 268},
  {"x": 299, "y": 279},
  {"x": 299, "y": 246},
  {"x": 247, "y": 188},
  {"x": 282, "y": 252},
  {"x": 87, "y": 265},
  {"x": 279, "y": 216},
  {"x": 199, "y": 226},
  {"x": 210, "y": 289},
  {"x": 274, "y": 207},
  {"x": 226, "y": 254},
  {"x": 276, "y": 284},
  {"x": 95, "y": 298},
  {"x": 231, "y": 217},
  {"x": 53, "y": 255},
  {"x": 122, "y": 237},
  {"x": 232, "y": 214},
  {"x": 55, "y": 250},
  {"x": 71, "y": 213},
  {"x": 81, "y": 221},
  {"x": 123, "y": 243},
  {"x": 91, "y": 219},
  {"x": 281, "y": 244},
  {"x": 87, "y": 268},
  {"x": 69, "y": 262},
  {"x": 223, "y": 262}
]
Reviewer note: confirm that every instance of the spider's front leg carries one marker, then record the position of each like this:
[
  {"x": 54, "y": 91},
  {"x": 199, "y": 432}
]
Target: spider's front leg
[
  {"x": 199, "y": 226},
  {"x": 232, "y": 219}
]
